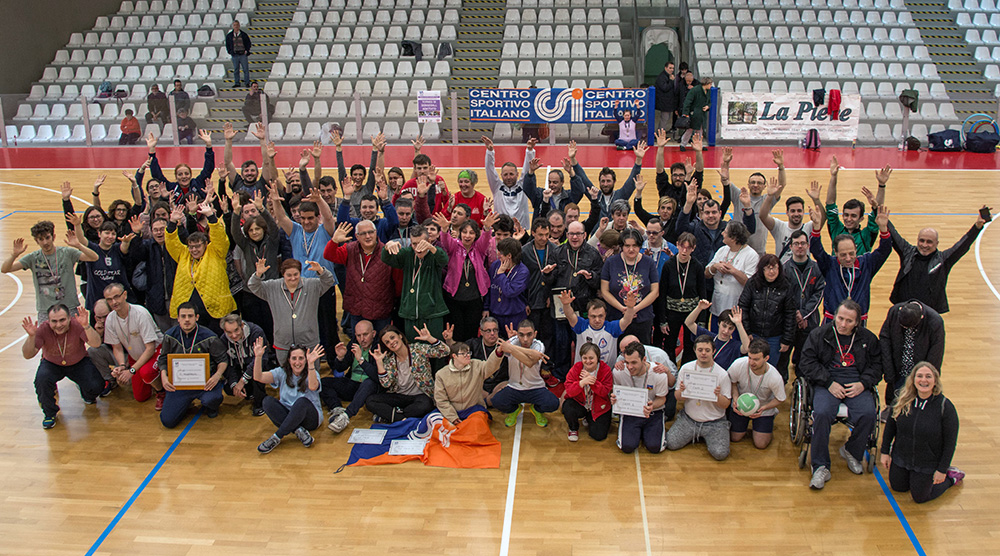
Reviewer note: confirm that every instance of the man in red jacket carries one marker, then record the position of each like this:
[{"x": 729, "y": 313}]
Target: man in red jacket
[{"x": 368, "y": 289}]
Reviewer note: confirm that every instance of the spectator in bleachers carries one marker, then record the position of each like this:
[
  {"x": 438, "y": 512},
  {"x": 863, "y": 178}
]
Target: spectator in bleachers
[
  {"x": 186, "y": 127},
  {"x": 130, "y": 129},
  {"x": 666, "y": 97},
  {"x": 238, "y": 46},
  {"x": 696, "y": 104},
  {"x": 626, "y": 129},
  {"x": 157, "y": 104},
  {"x": 182, "y": 101},
  {"x": 251, "y": 105}
]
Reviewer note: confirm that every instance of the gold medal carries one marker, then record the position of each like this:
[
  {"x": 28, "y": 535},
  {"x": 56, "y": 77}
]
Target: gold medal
[
  {"x": 295, "y": 316},
  {"x": 413, "y": 290},
  {"x": 362, "y": 280},
  {"x": 466, "y": 284},
  {"x": 843, "y": 363},
  {"x": 64, "y": 362}
]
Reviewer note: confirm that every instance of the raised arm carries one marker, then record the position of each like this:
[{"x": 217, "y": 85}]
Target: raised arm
[
  {"x": 228, "y": 133},
  {"x": 691, "y": 321},
  {"x": 278, "y": 210},
  {"x": 773, "y": 192},
  {"x": 831, "y": 190}
]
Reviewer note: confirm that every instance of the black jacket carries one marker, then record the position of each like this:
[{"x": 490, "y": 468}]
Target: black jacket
[
  {"x": 811, "y": 293},
  {"x": 769, "y": 308},
  {"x": 707, "y": 245},
  {"x": 160, "y": 270},
  {"x": 666, "y": 93},
  {"x": 243, "y": 36},
  {"x": 569, "y": 261},
  {"x": 927, "y": 346},
  {"x": 923, "y": 441},
  {"x": 539, "y": 285},
  {"x": 241, "y": 355},
  {"x": 821, "y": 349},
  {"x": 932, "y": 285}
]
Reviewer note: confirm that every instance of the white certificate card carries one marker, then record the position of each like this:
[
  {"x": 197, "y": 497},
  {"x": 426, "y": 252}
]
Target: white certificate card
[
  {"x": 188, "y": 372},
  {"x": 366, "y": 436},
  {"x": 699, "y": 385},
  {"x": 630, "y": 401},
  {"x": 407, "y": 447}
]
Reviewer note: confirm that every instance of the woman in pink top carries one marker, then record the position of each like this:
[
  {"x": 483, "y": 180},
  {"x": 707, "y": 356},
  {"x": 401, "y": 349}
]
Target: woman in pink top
[{"x": 466, "y": 281}]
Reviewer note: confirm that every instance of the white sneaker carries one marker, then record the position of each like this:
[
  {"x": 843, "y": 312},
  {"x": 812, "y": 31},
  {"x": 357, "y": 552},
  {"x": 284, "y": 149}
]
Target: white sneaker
[
  {"x": 338, "y": 419},
  {"x": 819, "y": 478},
  {"x": 852, "y": 464}
]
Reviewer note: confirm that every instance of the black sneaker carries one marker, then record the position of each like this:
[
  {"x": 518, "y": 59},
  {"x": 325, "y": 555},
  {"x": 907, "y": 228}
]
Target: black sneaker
[
  {"x": 109, "y": 385},
  {"x": 257, "y": 411},
  {"x": 48, "y": 422},
  {"x": 211, "y": 413},
  {"x": 89, "y": 402}
]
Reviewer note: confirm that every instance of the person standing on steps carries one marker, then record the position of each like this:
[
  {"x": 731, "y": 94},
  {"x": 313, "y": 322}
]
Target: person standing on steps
[{"x": 238, "y": 46}]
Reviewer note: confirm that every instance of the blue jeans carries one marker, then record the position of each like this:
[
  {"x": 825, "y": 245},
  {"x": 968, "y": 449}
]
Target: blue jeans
[
  {"x": 630, "y": 145},
  {"x": 507, "y": 399},
  {"x": 176, "y": 404},
  {"x": 775, "y": 343},
  {"x": 860, "y": 411},
  {"x": 241, "y": 61}
]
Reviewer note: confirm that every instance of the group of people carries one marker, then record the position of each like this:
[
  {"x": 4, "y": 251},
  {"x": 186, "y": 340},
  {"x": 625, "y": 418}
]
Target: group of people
[{"x": 454, "y": 301}]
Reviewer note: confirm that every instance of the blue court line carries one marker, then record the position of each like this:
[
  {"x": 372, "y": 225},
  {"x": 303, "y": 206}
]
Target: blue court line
[
  {"x": 142, "y": 486},
  {"x": 899, "y": 513},
  {"x": 26, "y": 211}
]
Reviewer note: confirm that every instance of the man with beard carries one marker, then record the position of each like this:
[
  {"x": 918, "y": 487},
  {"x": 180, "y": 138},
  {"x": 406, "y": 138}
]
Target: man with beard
[
  {"x": 755, "y": 184},
  {"x": 509, "y": 193},
  {"x": 239, "y": 337}
]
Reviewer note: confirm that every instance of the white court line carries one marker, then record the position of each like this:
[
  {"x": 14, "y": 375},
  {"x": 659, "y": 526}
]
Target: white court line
[
  {"x": 12, "y": 344},
  {"x": 46, "y": 188},
  {"x": 20, "y": 291},
  {"x": 511, "y": 484},
  {"x": 642, "y": 504},
  {"x": 979, "y": 262}
]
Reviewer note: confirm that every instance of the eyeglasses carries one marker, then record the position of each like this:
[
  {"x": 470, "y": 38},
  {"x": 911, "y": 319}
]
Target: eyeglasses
[
  {"x": 575, "y": 233},
  {"x": 654, "y": 232},
  {"x": 464, "y": 354},
  {"x": 367, "y": 233},
  {"x": 489, "y": 330}
]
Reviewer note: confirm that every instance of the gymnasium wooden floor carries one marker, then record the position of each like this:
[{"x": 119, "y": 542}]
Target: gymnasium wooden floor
[{"x": 209, "y": 492}]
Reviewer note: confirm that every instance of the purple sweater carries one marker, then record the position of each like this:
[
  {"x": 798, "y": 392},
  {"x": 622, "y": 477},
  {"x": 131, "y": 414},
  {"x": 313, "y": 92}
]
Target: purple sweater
[{"x": 506, "y": 295}]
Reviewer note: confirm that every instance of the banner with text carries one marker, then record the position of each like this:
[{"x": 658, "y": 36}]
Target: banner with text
[
  {"x": 786, "y": 116},
  {"x": 567, "y": 106}
]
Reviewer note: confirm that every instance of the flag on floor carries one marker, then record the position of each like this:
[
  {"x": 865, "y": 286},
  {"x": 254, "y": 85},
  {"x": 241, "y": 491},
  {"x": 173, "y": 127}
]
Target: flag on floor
[
  {"x": 470, "y": 445},
  {"x": 378, "y": 454}
]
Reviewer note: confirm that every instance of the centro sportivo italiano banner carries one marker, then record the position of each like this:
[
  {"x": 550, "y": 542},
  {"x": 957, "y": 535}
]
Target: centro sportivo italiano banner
[
  {"x": 561, "y": 106},
  {"x": 786, "y": 116}
]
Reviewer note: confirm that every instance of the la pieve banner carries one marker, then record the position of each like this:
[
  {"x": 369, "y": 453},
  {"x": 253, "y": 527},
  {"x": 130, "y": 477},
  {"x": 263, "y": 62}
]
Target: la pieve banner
[{"x": 786, "y": 116}]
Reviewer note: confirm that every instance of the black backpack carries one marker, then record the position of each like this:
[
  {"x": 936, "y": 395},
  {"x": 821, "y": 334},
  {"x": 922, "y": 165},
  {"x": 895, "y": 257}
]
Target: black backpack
[{"x": 946, "y": 141}]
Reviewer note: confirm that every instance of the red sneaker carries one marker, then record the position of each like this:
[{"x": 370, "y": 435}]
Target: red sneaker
[{"x": 159, "y": 399}]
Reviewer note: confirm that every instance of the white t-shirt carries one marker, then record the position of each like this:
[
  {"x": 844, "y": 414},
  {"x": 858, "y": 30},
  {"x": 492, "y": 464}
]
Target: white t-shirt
[
  {"x": 727, "y": 287},
  {"x": 782, "y": 234},
  {"x": 133, "y": 332},
  {"x": 700, "y": 410},
  {"x": 767, "y": 387},
  {"x": 523, "y": 377},
  {"x": 655, "y": 383},
  {"x": 656, "y": 355}
]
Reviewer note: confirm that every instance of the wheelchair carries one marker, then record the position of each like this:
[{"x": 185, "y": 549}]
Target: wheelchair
[{"x": 800, "y": 423}]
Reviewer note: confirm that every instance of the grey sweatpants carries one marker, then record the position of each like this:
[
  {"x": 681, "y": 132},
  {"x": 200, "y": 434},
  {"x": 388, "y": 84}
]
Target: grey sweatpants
[{"x": 686, "y": 431}]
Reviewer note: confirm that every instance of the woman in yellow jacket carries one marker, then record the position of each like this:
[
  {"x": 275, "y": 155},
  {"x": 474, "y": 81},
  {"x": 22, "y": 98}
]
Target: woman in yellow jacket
[{"x": 201, "y": 269}]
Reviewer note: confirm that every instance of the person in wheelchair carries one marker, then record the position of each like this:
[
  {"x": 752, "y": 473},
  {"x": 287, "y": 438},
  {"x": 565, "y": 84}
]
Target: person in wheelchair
[{"x": 843, "y": 364}]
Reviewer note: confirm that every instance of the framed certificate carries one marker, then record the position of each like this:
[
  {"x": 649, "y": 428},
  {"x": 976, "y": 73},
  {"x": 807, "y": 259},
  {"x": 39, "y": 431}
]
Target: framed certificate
[
  {"x": 557, "y": 305},
  {"x": 630, "y": 401},
  {"x": 188, "y": 371},
  {"x": 699, "y": 385}
]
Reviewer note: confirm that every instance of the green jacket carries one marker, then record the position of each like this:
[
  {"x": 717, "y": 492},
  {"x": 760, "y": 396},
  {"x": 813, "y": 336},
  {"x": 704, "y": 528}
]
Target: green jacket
[
  {"x": 864, "y": 238},
  {"x": 693, "y": 103},
  {"x": 423, "y": 294}
]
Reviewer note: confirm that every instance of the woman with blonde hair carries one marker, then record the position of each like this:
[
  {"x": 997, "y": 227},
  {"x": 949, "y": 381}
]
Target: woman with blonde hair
[{"x": 920, "y": 437}]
